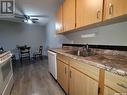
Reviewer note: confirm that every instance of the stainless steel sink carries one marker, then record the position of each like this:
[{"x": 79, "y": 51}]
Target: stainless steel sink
[
  {"x": 73, "y": 52},
  {"x": 81, "y": 53}
]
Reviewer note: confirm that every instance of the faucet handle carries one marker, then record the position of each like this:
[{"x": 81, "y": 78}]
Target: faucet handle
[
  {"x": 78, "y": 53},
  {"x": 87, "y": 46},
  {"x": 83, "y": 47}
]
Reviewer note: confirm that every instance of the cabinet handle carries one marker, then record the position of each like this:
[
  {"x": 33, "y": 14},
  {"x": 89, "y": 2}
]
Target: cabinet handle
[
  {"x": 122, "y": 85},
  {"x": 99, "y": 90},
  {"x": 65, "y": 70},
  {"x": 98, "y": 14},
  {"x": 110, "y": 9},
  {"x": 70, "y": 74}
]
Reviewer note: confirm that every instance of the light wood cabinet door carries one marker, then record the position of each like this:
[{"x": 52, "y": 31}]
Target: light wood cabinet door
[
  {"x": 108, "y": 91},
  {"x": 62, "y": 75},
  {"x": 88, "y": 12},
  {"x": 69, "y": 15},
  {"x": 114, "y": 8},
  {"x": 80, "y": 84},
  {"x": 65, "y": 86},
  {"x": 59, "y": 20}
]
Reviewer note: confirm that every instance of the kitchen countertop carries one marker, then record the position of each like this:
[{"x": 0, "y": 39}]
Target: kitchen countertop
[
  {"x": 5, "y": 56},
  {"x": 113, "y": 63}
]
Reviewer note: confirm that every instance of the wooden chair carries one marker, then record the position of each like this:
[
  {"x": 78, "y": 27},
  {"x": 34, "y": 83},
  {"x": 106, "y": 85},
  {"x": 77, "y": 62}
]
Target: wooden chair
[
  {"x": 24, "y": 53},
  {"x": 1, "y": 50},
  {"x": 38, "y": 54}
]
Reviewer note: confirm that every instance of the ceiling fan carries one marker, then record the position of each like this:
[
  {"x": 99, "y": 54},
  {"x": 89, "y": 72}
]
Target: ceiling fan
[{"x": 30, "y": 18}]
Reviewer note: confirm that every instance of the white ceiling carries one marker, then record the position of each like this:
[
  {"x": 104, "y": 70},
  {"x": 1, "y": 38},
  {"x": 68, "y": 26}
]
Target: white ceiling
[{"x": 37, "y": 7}]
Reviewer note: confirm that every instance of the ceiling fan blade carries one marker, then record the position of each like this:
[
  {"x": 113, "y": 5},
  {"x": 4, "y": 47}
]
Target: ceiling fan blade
[
  {"x": 34, "y": 19},
  {"x": 19, "y": 16},
  {"x": 45, "y": 16}
]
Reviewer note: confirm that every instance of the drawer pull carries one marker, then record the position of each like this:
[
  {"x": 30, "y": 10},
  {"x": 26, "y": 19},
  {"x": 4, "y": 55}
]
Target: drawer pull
[
  {"x": 98, "y": 14},
  {"x": 110, "y": 9},
  {"x": 99, "y": 90},
  {"x": 65, "y": 70},
  {"x": 122, "y": 85},
  {"x": 70, "y": 74}
]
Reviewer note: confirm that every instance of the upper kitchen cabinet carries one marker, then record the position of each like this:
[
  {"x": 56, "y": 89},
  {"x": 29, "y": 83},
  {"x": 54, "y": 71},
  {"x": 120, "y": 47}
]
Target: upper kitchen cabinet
[
  {"x": 69, "y": 15},
  {"x": 74, "y": 14},
  {"x": 59, "y": 20},
  {"x": 88, "y": 12},
  {"x": 114, "y": 8}
]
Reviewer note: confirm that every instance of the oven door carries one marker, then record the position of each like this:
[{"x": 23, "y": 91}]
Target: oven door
[
  {"x": 5, "y": 73},
  {"x": 1, "y": 81}
]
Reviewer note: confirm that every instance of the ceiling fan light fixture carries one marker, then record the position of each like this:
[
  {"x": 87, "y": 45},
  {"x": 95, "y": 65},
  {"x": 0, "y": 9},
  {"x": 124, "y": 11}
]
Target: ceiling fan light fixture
[
  {"x": 29, "y": 21},
  {"x": 25, "y": 21}
]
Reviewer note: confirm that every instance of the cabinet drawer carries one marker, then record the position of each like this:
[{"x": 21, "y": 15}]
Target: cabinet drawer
[
  {"x": 116, "y": 82},
  {"x": 89, "y": 70},
  {"x": 108, "y": 91},
  {"x": 62, "y": 58}
]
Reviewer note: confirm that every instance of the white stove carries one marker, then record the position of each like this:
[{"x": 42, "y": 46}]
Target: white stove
[{"x": 6, "y": 73}]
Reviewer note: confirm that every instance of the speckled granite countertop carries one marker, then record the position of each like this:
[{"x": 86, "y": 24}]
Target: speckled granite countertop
[{"x": 114, "y": 63}]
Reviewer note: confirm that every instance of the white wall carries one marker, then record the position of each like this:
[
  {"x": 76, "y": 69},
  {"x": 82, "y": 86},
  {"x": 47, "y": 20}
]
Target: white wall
[
  {"x": 12, "y": 34},
  {"x": 114, "y": 34},
  {"x": 54, "y": 40}
]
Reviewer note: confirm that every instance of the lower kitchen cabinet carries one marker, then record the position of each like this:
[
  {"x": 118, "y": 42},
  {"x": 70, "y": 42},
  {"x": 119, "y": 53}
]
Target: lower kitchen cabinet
[
  {"x": 116, "y": 82},
  {"x": 109, "y": 91},
  {"x": 80, "y": 84},
  {"x": 62, "y": 75},
  {"x": 78, "y": 78}
]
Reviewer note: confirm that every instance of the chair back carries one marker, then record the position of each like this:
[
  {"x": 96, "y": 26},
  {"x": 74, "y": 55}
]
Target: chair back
[
  {"x": 40, "y": 49},
  {"x": 24, "y": 48},
  {"x": 1, "y": 49}
]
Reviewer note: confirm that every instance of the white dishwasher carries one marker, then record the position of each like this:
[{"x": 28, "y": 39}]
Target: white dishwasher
[{"x": 52, "y": 63}]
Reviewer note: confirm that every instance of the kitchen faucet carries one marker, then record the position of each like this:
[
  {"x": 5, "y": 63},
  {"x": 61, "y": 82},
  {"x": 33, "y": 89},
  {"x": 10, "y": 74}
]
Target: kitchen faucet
[{"x": 86, "y": 50}]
